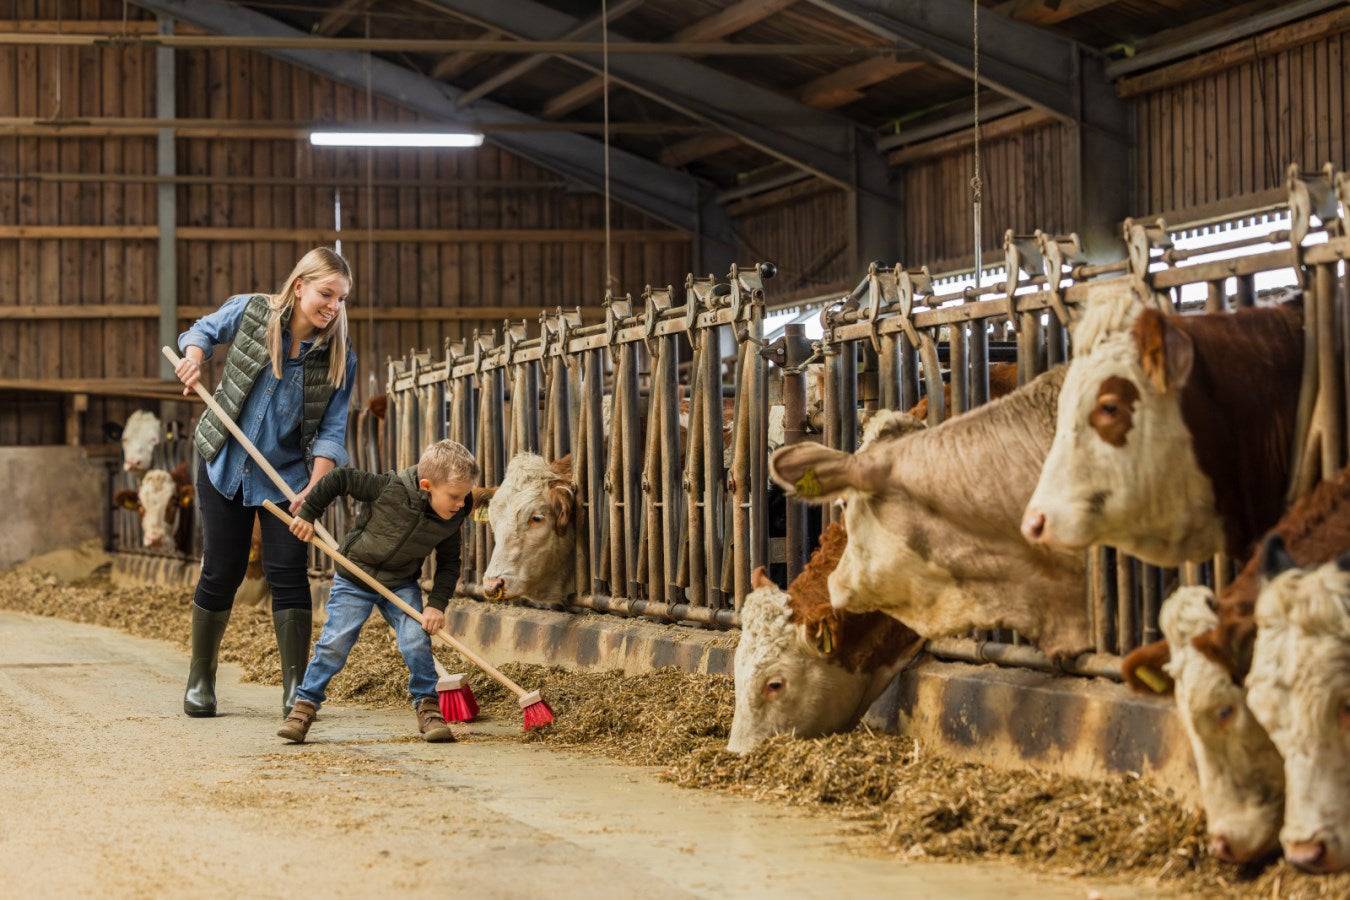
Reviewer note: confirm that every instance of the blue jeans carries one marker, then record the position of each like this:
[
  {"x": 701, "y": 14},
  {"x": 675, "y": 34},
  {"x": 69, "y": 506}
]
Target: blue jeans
[{"x": 349, "y": 606}]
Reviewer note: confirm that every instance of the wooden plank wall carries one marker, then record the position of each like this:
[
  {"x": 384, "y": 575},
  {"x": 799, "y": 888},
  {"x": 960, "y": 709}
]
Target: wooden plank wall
[
  {"x": 803, "y": 229},
  {"x": 245, "y": 85},
  {"x": 1024, "y": 188},
  {"x": 1232, "y": 133}
]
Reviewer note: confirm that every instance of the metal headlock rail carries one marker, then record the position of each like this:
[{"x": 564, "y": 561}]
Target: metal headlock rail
[{"x": 674, "y": 502}]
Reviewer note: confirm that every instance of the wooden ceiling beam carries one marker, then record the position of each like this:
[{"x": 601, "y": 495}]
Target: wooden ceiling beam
[{"x": 734, "y": 18}]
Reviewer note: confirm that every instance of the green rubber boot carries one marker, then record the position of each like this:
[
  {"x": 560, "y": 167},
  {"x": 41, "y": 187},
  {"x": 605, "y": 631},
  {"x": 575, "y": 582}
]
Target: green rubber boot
[
  {"x": 208, "y": 627},
  {"x": 293, "y": 631}
]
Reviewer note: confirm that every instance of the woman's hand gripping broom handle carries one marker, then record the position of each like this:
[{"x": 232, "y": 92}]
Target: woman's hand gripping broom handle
[
  {"x": 521, "y": 694},
  {"x": 244, "y": 442}
]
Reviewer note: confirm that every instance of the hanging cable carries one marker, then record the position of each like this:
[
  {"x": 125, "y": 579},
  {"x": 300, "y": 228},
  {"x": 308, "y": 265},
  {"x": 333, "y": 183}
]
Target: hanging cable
[
  {"x": 610, "y": 284},
  {"x": 976, "y": 183}
]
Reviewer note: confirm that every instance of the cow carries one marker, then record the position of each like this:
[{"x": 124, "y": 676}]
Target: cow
[
  {"x": 533, "y": 517},
  {"x": 804, "y": 668},
  {"x": 933, "y": 521},
  {"x": 140, "y": 436},
  {"x": 163, "y": 501},
  {"x": 1299, "y": 689},
  {"x": 1207, "y": 651},
  {"x": 1174, "y": 432}
]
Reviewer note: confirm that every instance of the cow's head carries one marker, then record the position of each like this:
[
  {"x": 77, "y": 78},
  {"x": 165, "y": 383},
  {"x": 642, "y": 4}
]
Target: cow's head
[
  {"x": 790, "y": 678},
  {"x": 1299, "y": 689},
  {"x": 1122, "y": 468},
  {"x": 1241, "y": 774},
  {"x": 872, "y": 566},
  {"x": 533, "y": 520},
  {"x": 140, "y": 436},
  {"x": 159, "y": 500}
]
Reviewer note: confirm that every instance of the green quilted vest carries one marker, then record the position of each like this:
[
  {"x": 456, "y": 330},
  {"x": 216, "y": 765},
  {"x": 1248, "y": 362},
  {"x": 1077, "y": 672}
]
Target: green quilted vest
[{"x": 247, "y": 358}]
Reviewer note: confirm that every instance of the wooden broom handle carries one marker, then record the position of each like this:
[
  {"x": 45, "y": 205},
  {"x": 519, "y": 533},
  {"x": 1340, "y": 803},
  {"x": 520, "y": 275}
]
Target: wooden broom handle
[
  {"x": 398, "y": 601},
  {"x": 244, "y": 442}
]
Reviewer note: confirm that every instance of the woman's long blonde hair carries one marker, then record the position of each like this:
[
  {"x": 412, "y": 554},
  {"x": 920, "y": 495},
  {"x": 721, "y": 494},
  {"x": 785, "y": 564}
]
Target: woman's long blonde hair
[{"x": 320, "y": 262}]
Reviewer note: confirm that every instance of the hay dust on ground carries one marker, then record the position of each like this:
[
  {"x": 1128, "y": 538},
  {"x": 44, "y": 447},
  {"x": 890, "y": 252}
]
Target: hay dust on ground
[{"x": 920, "y": 804}]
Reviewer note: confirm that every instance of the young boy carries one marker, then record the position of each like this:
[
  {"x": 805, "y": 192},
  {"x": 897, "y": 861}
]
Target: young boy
[{"x": 405, "y": 515}]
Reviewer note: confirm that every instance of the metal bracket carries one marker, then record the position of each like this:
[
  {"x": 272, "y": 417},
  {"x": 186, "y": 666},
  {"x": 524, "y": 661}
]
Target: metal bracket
[
  {"x": 697, "y": 294},
  {"x": 656, "y": 301},
  {"x": 1141, "y": 238},
  {"x": 1057, "y": 251},
  {"x": 1309, "y": 196},
  {"x": 907, "y": 284}
]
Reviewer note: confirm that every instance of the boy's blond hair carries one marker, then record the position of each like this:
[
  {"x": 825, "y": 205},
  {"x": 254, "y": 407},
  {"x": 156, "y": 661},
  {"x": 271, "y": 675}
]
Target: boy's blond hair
[{"x": 447, "y": 460}]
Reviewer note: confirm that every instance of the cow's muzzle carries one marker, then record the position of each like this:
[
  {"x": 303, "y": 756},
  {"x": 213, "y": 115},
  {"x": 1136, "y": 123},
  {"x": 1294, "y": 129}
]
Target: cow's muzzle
[
  {"x": 494, "y": 588},
  {"x": 1033, "y": 526}
]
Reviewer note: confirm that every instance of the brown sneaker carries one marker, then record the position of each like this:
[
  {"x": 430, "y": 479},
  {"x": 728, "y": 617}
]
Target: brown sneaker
[
  {"x": 297, "y": 723},
  {"x": 432, "y": 724}
]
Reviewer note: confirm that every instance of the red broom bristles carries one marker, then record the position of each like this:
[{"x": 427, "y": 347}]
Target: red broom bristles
[
  {"x": 536, "y": 711},
  {"x": 457, "y": 701}
]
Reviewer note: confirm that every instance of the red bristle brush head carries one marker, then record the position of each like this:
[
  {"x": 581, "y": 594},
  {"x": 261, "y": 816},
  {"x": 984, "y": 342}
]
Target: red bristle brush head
[
  {"x": 458, "y": 703},
  {"x": 536, "y": 711}
]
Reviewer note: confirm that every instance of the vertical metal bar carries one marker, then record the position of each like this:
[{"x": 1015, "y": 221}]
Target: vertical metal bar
[
  {"x": 631, "y": 471},
  {"x": 847, "y": 396},
  {"x": 759, "y": 450},
  {"x": 1214, "y": 296},
  {"x": 1056, "y": 342},
  {"x": 1126, "y": 605},
  {"x": 712, "y": 463},
  {"x": 592, "y": 387},
  {"x": 1150, "y": 578},
  {"x": 1245, "y": 298},
  {"x": 1097, "y": 599},
  {"x": 653, "y": 483},
  {"x": 671, "y": 493},
  {"x": 909, "y": 374},
  {"x": 959, "y": 367},
  {"x": 614, "y": 484},
  {"x": 796, "y": 350},
  {"x": 693, "y": 477},
  {"x": 1329, "y": 369},
  {"x": 531, "y": 400},
  {"x": 580, "y": 473},
  {"x": 830, "y": 413},
  {"x": 166, "y": 198},
  {"x": 888, "y": 372},
  {"x": 740, "y": 475},
  {"x": 979, "y": 363}
]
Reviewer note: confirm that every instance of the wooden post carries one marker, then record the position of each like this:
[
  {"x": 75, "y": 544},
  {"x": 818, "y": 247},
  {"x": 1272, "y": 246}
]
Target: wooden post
[
  {"x": 76, "y": 405},
  {"x": 166, "y": 197}
]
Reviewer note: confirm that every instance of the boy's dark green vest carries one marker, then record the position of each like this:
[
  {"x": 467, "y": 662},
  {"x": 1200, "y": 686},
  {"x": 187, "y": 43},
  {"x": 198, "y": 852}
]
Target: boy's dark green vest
[{"x": 247, "y": 358}]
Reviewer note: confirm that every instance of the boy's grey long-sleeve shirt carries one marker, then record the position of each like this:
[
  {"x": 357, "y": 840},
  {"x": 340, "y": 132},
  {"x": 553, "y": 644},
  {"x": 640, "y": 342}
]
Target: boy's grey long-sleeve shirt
[{"x": 396, "y": 529}]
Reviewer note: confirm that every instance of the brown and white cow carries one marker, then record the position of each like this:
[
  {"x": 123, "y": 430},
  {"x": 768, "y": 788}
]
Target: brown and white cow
[
  {"x": 1174, "y": 433},
  {"x": 1208, "y": 653},
  {"x": 163, "y": 500},
  {"x": 140, "y": 436},
  {"x": 533, "y": 519},
  {"x": 805, "y": 668},
  {"x": 933, "y": 521},
  {"x": 1299, "y": 689}
]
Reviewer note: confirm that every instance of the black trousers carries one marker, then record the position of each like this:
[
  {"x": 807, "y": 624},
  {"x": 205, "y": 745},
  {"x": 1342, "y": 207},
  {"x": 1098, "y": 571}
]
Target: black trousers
[{"x": 227, "y": 533}]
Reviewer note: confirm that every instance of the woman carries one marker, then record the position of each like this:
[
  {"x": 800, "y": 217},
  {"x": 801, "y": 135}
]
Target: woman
[{"x": 287, "y": 384}]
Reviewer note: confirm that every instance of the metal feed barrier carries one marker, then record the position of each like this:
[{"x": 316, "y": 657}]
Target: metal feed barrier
[{"x": 665, "y": 411}]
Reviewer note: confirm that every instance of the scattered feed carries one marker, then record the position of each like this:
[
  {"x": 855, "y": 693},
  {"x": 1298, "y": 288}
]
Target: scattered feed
[{"x": 919, "y": 804}]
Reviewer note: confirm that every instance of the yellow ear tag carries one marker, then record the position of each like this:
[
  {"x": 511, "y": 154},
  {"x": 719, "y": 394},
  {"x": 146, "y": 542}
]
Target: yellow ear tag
[
  {"x": 826, "y": 639},
  {"x": 480, "y": 514},
  {"x": 1155, "y": 680},
  {"x": 808, "y": 485}
]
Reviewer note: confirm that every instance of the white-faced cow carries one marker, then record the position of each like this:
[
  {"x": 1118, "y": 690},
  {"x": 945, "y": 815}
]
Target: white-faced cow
[
  {"x": 140, "y": 436},
  {"x": 164, "y": 502},
  {"x": 933, "y": 522},
  {"x": 1208, "y": 653},
  {"x": 533, "y": 519},
  {"x": 1174, "y": 432},
  {"x": 804, "y": 668},
  {"x": 1299, "y": 689}
]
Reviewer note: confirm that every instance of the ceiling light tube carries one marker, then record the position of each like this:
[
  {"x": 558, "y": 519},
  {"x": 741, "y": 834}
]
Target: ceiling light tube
[{"x": 395, "y": 139}]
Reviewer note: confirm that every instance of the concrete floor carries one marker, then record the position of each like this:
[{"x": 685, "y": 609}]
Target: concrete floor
[{"x": 105, "y": 787}]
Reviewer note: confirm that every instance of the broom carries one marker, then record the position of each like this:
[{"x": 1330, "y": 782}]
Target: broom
[
  {"x": 536, "y": 712},
  {"x": 458, "y": 703}
]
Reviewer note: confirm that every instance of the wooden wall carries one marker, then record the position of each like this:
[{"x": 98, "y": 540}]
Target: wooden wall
[
  {"x": 1025, "y": 187},
  {"x": 804, "y": 230},
  {"x": 410, "y": 275},
  {"x": 1231, "y": 134}
]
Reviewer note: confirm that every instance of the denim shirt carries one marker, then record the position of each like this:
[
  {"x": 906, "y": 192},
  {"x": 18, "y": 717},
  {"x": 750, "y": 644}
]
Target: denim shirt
[{"x": 271, "y": 415}]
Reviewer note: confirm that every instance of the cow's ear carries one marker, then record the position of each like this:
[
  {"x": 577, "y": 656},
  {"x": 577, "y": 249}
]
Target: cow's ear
[
  {"x": 1275, "y": 557},
  {"x": 1229, "y": 644},
  {"x": 1166, "y": 353},
  {"x": 817, "y": 473},
  {"x": 760, "y": 579},
  {"x": 562, "y": 498},
  {"x": 126, "y": 500},
  {"x": 482, "y": 496},
  {"x": 1144, "y": 670}
]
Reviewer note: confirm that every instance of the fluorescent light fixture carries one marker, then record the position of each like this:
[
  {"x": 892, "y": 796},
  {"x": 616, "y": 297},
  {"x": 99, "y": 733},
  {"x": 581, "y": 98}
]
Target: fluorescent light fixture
[{"x": 395, "y": 139}]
